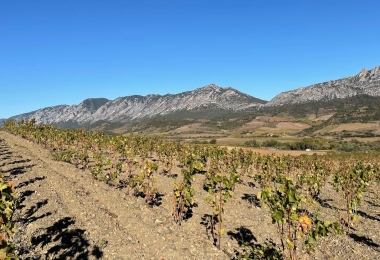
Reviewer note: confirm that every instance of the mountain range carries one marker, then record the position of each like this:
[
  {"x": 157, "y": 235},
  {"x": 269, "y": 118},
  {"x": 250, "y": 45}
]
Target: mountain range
[
  {"x": 367, "y": 82},
  {"x": 130, "y": 108},
  {"x": 205, "y": 102}
]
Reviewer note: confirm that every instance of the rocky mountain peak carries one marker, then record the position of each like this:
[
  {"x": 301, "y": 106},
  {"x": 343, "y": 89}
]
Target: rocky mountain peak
[
  {"x": 375, "y": 72},
  {"x": 366, "y": 82},
  {"x": 363, "y": 72},
  {"x": 137, "y": 107},
  {"x": 210, "y": 87}
]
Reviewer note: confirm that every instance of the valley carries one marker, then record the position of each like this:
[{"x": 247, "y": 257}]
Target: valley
[
  {"x": 97, "y": 196},
  {"x": 158, "y": 177}
]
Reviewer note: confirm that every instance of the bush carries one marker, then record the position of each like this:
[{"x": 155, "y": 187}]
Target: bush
[
  {"x": 252, "y": 143},
  {"x": 213, "y": 141},
  {"x": 271, "y": 143}
]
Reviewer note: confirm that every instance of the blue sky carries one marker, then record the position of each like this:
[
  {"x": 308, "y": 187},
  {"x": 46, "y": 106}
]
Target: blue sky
[{"x": 61, "y": 52}]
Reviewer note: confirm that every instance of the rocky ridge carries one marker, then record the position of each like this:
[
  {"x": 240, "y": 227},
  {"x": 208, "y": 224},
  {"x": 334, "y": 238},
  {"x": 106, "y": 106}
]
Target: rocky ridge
[
  {"x": 136, "y": 107},
  {"x": 366, "y": 82},
  {"x": 201, "y": 101}
]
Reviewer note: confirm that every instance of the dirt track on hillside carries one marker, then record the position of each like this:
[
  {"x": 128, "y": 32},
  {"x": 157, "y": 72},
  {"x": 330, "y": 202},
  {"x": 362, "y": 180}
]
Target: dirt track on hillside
[{"x": 65, "y": 214}]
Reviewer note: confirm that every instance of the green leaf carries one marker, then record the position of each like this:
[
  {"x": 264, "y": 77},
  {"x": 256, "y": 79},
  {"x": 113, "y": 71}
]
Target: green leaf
[
  {"x": 311, "y": 240},
  {"x": 3, "y": 186},
  {"x": 292, "y": 196},
  {"x": 277, "y": 215}
]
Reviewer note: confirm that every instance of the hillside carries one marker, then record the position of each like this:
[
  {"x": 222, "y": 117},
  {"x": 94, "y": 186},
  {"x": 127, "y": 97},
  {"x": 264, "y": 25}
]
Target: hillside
[
  {"x": 366, "y": 82},
  {"x": 312, "y": 115},
  {"x": 208, "y": 101},
  {"x": 67, "y": 212},
  {"x": 352, "y": 99}
]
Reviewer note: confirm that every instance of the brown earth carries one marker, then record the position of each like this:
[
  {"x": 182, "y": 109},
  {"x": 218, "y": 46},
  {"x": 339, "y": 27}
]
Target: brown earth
[
  {"x": 195, "y": 127},
  {"x": 253, "y": 125},
  {"x": 63, "y": 213},
  {"x": 357, "y": 127},
  {"x": 273, "y": 119},
  {"x": 320, "y": 118},
  {"x": 292, "y": 126},
  {"x": 270, "y": 151}
]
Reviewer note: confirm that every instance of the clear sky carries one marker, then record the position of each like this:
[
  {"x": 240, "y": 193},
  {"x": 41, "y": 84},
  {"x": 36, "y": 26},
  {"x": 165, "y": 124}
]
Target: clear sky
[{"x": 61, "y": 52}]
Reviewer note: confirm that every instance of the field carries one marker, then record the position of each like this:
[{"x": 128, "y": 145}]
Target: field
[
  {"x": 91, "y": 208},
  {"x": 237, "y": 131},
  {"x": 352, "y": 127}
]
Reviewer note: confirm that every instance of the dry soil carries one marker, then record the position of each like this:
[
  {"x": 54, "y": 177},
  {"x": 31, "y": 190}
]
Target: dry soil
[{"x": 63, "y": 213}]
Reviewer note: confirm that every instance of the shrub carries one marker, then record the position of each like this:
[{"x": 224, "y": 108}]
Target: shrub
[
  {"x": 252, "y": 143},
  {"x": 213, "y": 141}
]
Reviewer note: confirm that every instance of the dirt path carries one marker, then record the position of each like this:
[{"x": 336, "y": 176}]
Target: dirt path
[{"x": 64, "y": 214}]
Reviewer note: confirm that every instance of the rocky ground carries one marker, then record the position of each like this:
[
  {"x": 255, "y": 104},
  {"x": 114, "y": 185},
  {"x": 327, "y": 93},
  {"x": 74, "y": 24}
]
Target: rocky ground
[{"x": 63, "y": 213}]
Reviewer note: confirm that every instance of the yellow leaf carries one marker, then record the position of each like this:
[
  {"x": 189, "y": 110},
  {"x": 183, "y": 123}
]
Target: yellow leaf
[{"x": 305, "y": 220}]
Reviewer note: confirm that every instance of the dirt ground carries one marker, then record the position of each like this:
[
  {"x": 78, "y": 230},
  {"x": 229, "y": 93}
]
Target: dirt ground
[
  {"x": 269, "y": 151},
  {"x": 356, "y": 127},
  {"x": 65, "y": 214},
  {"x": 359, "y": 127}
]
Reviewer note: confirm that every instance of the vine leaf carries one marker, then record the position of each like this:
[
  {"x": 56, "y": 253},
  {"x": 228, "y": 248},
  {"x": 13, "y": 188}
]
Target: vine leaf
[{"x": 277, "y": 215}]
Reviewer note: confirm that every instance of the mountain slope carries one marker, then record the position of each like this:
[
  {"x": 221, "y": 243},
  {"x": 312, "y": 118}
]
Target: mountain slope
[
  {"x": 123, "y": 109},
  {"x": 366, "y": 82}
]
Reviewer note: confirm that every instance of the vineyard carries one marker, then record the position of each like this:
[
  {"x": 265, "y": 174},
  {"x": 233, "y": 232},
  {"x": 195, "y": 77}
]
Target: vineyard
[{"x": 237, "y": 204}]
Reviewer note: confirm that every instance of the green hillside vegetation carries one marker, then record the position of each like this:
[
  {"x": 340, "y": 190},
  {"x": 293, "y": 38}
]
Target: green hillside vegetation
[
  {"x": 317, "y": 144},
  {"x": 229, "y": 123},
  {"x": 158, "y": 125},
  {"x": 360, "y": 108},
  {"x": 357, "y": 109},
  {"x": 330, "y": 126}
]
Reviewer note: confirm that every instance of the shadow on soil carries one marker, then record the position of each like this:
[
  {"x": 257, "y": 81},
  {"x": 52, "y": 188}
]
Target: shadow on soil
[
  {"x": 207, "y": 223},
  {"x": 6, "y": 153},
  {"x": 26, "y": 183},
  {"x": 373, "y": 204},
  {"x": 250, "y": 184},
  {"x": 324, "y": 203},
  {"x": 22, "y": 197},
  {"x": 249, "y": 248},
  {"x": 156, "y": 201},
  {"x": 365, "y": 240},
  {"x": 243, "y": 236},
  {"x": 168, "y": 174},
  {"x": 28, "y": 217},
  {"x": 252, "y": 199},
  {"x": 59, "y": 240},
  {"x": 365, "y": 215},
  {"x": 15, "y": 162},
  {"x": 65, "y": 243},
  {"x": 18, "y": 170}
]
